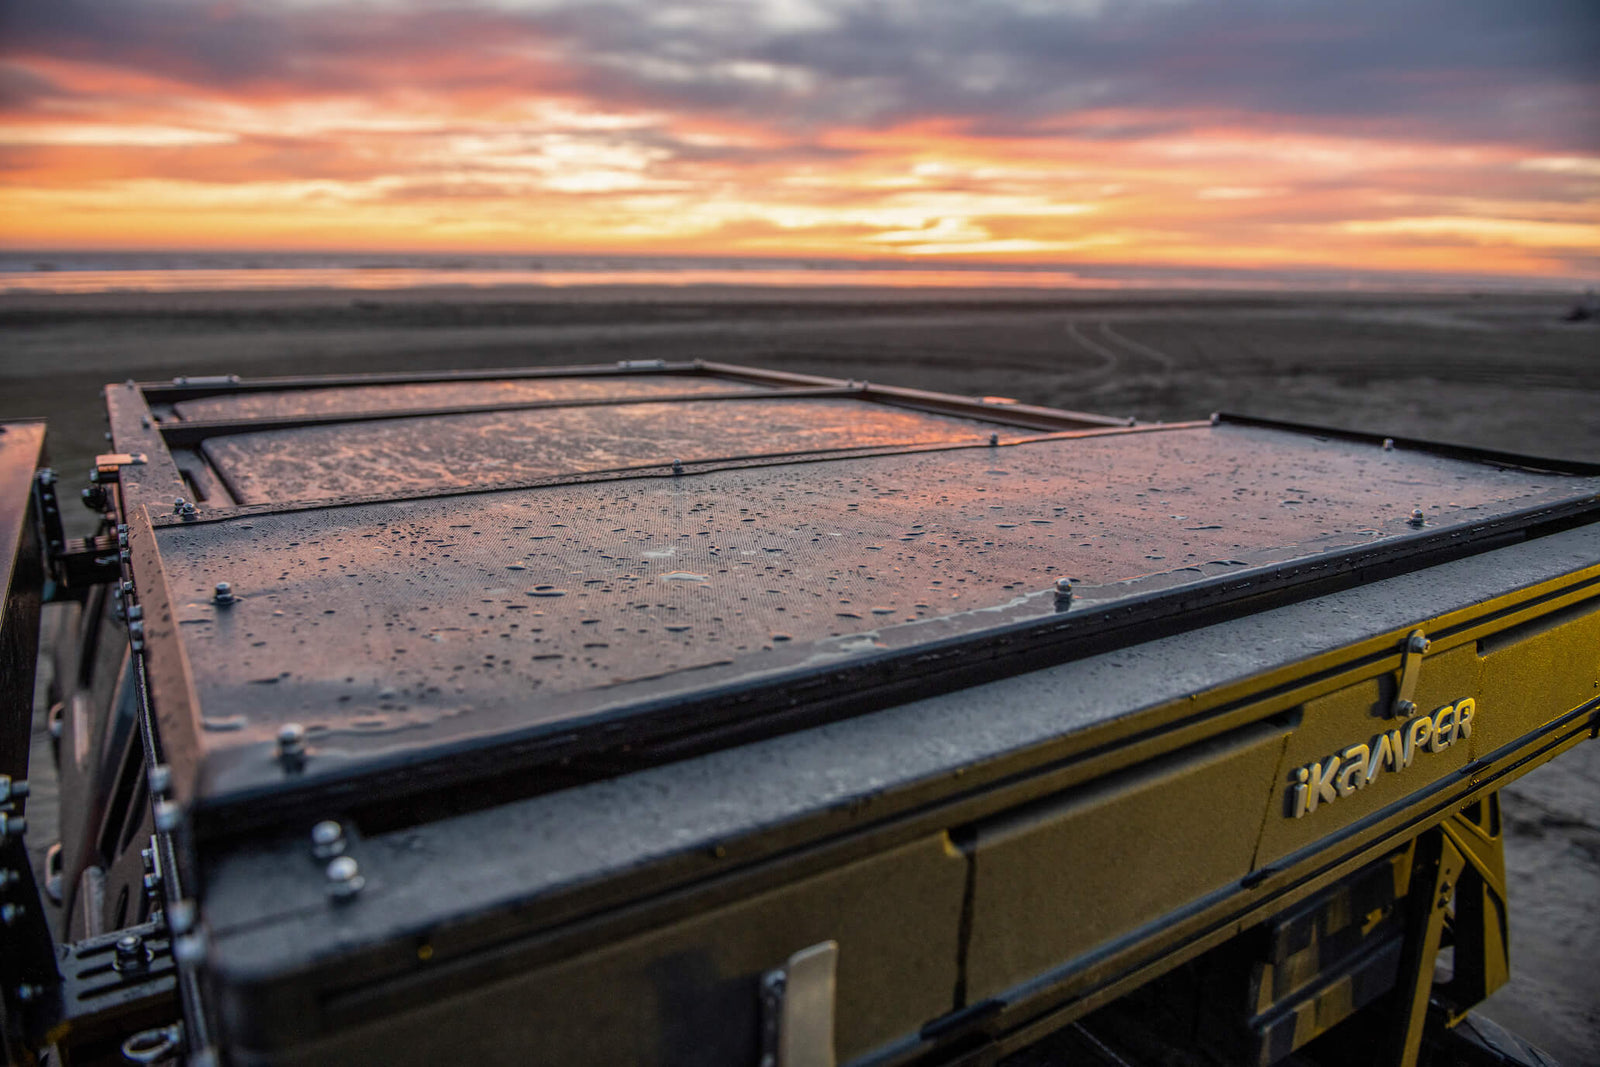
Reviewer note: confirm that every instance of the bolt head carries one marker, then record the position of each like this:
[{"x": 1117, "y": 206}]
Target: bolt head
[
  {"x": 1417, "y": 643},
  {"x": 1405, "y": 707},
  {"x": 223, "y": 594},
  {"x": 344, "y": 878},
  {"x": 327, "y": 840},
  {"x": 180, "y": 917},
  {"x": 160, "y": 778},
  {"x": 167, "y": 816},
  {"x": 190, "y": 948},
  {"x": 291, "y": 739}
]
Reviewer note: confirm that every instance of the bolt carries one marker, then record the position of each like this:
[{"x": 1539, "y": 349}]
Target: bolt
[
  {"x": 191, "y": 948},
  {"x": 27, "y": 992},
  {"x": 136, "y": 630},
  {"x": 177, "y": 504},
  {"x": 1405, "y": 707},
  {"x": 224, "y": 594},
  {"x": 1064, "y": 588},
  {"x": 152, "y": 883},
  {"x": 187, "y": 511},
  {"x": 160, "y": 778},
  {"x": 1388, "y": 444},
  {"x": 12, "y": 824},
  {"x": 127, "y": 586},
  {"x": 327, "y": 840},
  {"x": 131, "y": 954},
  {"x": 12, "y": 788},
  {"x": 168, "y": 816},
  {"x": 8, "y": 878},
  {"x": 1417, "y": 643},
  {"x": 11, "y": 914},
  {"x": 677, "y": 466},
  {"x": 292, "y": 744},
  {"x": 180, "y": 917},
  {"x": 135, "y": 612},
  {"x": 994, "y": 439},
  {"x": 344, "y": 878},
  {"x": 1417, "y": 517}
]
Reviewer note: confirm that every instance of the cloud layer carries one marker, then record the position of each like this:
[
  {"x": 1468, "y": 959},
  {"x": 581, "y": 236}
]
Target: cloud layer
[{"x": 1428, "y": 134}]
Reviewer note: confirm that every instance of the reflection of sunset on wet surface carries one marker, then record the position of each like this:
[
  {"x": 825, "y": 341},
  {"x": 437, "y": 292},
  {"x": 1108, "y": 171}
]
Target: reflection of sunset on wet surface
[{"x": 1422, "y": 136}]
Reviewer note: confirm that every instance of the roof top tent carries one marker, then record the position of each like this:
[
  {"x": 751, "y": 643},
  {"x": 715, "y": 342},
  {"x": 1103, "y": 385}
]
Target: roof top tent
[{"x": 624, "y": 687}]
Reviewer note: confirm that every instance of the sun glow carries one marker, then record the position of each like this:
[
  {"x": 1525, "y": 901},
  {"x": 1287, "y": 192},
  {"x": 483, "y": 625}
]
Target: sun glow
[{"x": 499, "y": 136}]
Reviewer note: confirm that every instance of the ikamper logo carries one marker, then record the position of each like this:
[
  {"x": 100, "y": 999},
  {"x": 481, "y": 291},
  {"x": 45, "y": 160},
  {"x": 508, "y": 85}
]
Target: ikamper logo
[{"x": 1325, "y": 781}]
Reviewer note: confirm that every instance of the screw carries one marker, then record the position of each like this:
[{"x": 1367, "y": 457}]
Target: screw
[
  {"x": 1417, "y": 517},
  {"x": 344, "y": 878},
  {"x": 224, "y": 594},
  {"x": 131, "y": 954},
  {"x": 1417, "y": 643},
  {"x": 292, "y": 744},
  {"x": 160, "y": 779},
  {"x": 327, "y": 840}
]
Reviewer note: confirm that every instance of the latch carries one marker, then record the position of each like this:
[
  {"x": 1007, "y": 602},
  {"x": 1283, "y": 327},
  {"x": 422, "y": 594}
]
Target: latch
[
  {"x": 1416, "y": 644},
  {"x": 797, "y": 1002}
]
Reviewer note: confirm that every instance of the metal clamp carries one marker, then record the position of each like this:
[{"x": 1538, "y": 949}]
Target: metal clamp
[
  {"x": 797, "y": 1008},
  {"x": 1416, "y": 644}
]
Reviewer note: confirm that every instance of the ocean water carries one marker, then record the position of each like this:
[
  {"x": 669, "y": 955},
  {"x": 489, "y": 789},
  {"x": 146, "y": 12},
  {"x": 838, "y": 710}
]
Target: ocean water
[{"x": 167, "y": 272}]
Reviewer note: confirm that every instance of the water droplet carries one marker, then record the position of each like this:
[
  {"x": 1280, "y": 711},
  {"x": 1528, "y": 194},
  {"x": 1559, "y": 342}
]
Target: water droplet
[{"x": 546, "y": 590}]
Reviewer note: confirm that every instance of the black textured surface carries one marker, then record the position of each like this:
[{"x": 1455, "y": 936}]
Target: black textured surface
[{"x": 402, "y": 625}]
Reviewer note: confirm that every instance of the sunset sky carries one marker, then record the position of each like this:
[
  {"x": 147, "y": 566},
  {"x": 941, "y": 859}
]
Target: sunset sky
[{"x": 1452, "y": 136}]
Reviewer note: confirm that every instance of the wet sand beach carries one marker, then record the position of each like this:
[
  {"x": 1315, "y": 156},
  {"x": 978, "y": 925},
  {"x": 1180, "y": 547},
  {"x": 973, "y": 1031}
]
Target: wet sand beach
[{"x": 1500, "y": 371}]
